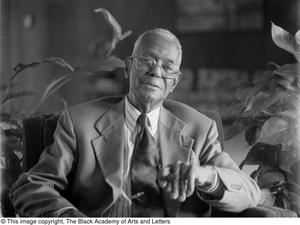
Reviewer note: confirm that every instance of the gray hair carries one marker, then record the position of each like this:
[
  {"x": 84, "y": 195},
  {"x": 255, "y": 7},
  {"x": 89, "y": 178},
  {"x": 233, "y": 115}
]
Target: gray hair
[{"x": 161, "y": 32}]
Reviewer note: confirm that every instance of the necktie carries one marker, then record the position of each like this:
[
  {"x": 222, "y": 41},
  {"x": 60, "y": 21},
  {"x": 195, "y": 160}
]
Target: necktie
[{"x": 146, "y": 197}]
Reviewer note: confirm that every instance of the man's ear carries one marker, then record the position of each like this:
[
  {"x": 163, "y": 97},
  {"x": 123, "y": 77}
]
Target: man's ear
[{"x": 126, "y": 67}]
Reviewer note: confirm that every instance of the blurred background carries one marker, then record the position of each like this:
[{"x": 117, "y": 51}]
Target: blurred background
[{"x": 224, "y": 43}]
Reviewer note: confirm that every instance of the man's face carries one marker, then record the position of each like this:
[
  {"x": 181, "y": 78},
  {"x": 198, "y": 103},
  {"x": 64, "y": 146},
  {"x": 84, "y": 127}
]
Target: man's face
[{"x": 149, "y": 87}]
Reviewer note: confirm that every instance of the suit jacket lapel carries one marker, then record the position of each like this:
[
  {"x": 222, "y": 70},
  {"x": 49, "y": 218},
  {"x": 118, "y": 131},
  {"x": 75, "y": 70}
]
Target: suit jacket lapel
[
  {"x": 174, "y": 146},
  {"x": 109, "y": 147}
]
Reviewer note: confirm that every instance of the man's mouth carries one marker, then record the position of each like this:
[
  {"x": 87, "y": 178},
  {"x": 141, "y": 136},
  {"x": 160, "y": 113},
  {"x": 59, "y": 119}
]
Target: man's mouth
[{"x": 151, "y": 85}]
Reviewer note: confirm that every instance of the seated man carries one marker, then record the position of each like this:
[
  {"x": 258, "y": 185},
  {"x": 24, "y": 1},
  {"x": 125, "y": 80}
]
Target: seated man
[{"x": 137, "y": 155}]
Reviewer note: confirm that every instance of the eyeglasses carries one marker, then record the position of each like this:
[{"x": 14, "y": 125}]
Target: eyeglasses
[{"x": 170, "y": 71}]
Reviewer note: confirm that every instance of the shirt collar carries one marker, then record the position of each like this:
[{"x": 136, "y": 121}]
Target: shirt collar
[{"x": 132, "y": 114}]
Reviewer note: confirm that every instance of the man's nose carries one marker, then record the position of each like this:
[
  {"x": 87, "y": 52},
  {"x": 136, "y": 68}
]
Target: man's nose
[{"x": 156, "y": 71}]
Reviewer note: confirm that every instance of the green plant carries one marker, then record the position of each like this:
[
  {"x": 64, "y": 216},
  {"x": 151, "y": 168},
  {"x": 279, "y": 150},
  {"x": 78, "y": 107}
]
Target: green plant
[
  {"x": 11, "y": 121},
  {"x": 269, "y": 112}
]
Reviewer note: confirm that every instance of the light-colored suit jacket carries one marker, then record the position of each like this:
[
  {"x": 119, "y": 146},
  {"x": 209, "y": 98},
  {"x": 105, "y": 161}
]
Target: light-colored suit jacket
[{"x": 83, "y": 169}]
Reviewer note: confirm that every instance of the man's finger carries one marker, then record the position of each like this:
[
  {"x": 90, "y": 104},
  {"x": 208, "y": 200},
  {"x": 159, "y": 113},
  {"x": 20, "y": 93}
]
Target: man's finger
[
  {"x": 164, "y": 171},
  {"x": 191, "y": 181},
  {"x": 174, "y": 179},
  {"x": 183, "y": 181},
  {"x": 162, "y": 176}
]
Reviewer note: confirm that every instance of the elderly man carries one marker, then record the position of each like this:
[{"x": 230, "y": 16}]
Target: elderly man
[{"x": 139, "y": 155}]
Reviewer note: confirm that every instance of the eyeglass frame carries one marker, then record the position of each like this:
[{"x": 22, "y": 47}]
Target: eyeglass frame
[{"x": 174, "y": 75}]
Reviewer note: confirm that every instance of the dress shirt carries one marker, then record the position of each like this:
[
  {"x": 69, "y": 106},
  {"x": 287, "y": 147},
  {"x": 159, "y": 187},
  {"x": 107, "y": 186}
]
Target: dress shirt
[{"x": 131, "y": 130}]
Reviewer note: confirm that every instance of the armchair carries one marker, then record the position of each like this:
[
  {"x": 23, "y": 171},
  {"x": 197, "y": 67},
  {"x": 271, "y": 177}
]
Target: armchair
[{"x": 39, "y": 129}]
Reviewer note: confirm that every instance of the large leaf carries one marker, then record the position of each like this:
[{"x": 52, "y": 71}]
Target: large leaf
[
  {"x": 109, "y": 63},
  {"x": 3, "y": 87},
  {"x": 285, "y": 40},
  {"x": 55, "y": 85},
  {"x": 260, "y": 102},
  {"x": 117, "y": 30},
  {"x": 262, "y": 154},
  {"x": 293, "y": 187},
  {"x": 237, "y": 127},
  {"x": 287, "y": 160},
  {"x": 295, "y": 168},
  {"x": 14, "y": 132},
  {"x": 289, "y": 70},
  {"x": 252, "y": 134},
  {"x": 234, "y": 130},
  {"x": 51, "y": 89},
  {"x": 297, "y": 37},
  {"x": 292, "y": 201},
  {"x": 60, "y": 61},
  {"x": 289, "y": 115},
  {"x": 5, "y": 125},
  {"x": 269, "y": 179},
  {"x": 20, "y": 67},
  {"x": 274, "y": 131},
  {"x": 13, "y": 96},
  {"x": 245, "y": 90},
  {"x": 56, "y": 60}
]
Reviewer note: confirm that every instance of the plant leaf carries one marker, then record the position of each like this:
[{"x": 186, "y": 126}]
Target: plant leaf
[
  {"x": 237, "y": 127},
  {"x": 14, "y": 132},
  {"x": 287, "y": 115},
  {"x": 293, "y": 187},
  {"x": 59, "y": 61},
  {"x": 109, "y": 63},
  {"x": 297, "y": 37},
  {"x": 252, "y": 134},
  {"x": 292, "y": 201},
  {"x": 117, "y": 30},
  {"x": 56, "y": 60},
  {"x": 274, "y": 131},
  {"x": 3, "y": 87},
  {"x": 269, "y": 179},
  {"x": 51, "y": 89},
  {"x": 285, "y": 40},
  {"x": 262, "y": 154},
  {"x": 289, "y": 70},
  {"x": 13, "y": 96},
  {"x": 260, "y": 102},
  {"x": 286, "y": 161},
  {"x": 55, "y": 85}
]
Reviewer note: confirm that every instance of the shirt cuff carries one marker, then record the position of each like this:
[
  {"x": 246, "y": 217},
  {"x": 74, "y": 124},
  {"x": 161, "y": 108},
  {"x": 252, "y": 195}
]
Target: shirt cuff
[{"x": 214, "y": 189}]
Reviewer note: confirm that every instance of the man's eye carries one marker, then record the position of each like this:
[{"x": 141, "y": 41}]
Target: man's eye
[
  {"x": 168, "y": 68},
  {"x": 146, "y": 61}
]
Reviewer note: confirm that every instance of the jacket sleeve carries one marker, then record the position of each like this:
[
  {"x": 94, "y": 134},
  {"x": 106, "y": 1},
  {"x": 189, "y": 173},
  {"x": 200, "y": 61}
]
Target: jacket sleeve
[
  {"x": 241, "y": 191},
  {"x": 37, "y": 192}
]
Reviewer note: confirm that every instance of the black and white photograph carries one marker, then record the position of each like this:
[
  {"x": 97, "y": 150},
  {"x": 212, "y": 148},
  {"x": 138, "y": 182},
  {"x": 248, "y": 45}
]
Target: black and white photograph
[{"x": 143, "y": 111}]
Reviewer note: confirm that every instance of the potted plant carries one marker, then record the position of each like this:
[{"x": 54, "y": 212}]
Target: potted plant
[
  {"x": 11, "y": 121},
  {"x": 268, "y": 111}
]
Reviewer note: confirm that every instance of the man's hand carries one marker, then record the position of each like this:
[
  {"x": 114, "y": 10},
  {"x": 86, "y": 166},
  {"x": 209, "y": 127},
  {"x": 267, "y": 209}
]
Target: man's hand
[{"x": 181, "y": 178}]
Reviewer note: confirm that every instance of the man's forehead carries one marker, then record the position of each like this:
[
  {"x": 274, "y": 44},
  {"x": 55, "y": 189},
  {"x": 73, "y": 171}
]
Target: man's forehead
[
  {"x": 157, "y": 39},
  {"x": 153, "y": 42}
]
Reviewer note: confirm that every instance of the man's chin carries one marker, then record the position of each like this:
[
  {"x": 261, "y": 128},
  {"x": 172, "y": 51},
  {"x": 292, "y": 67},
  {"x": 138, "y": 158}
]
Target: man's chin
[{"x": 151, "y": 98}]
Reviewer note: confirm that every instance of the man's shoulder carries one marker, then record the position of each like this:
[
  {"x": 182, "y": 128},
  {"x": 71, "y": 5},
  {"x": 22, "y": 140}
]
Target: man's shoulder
[
  {"x": 187, "y": 113},
  {"x": 94, "y": 108}
]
